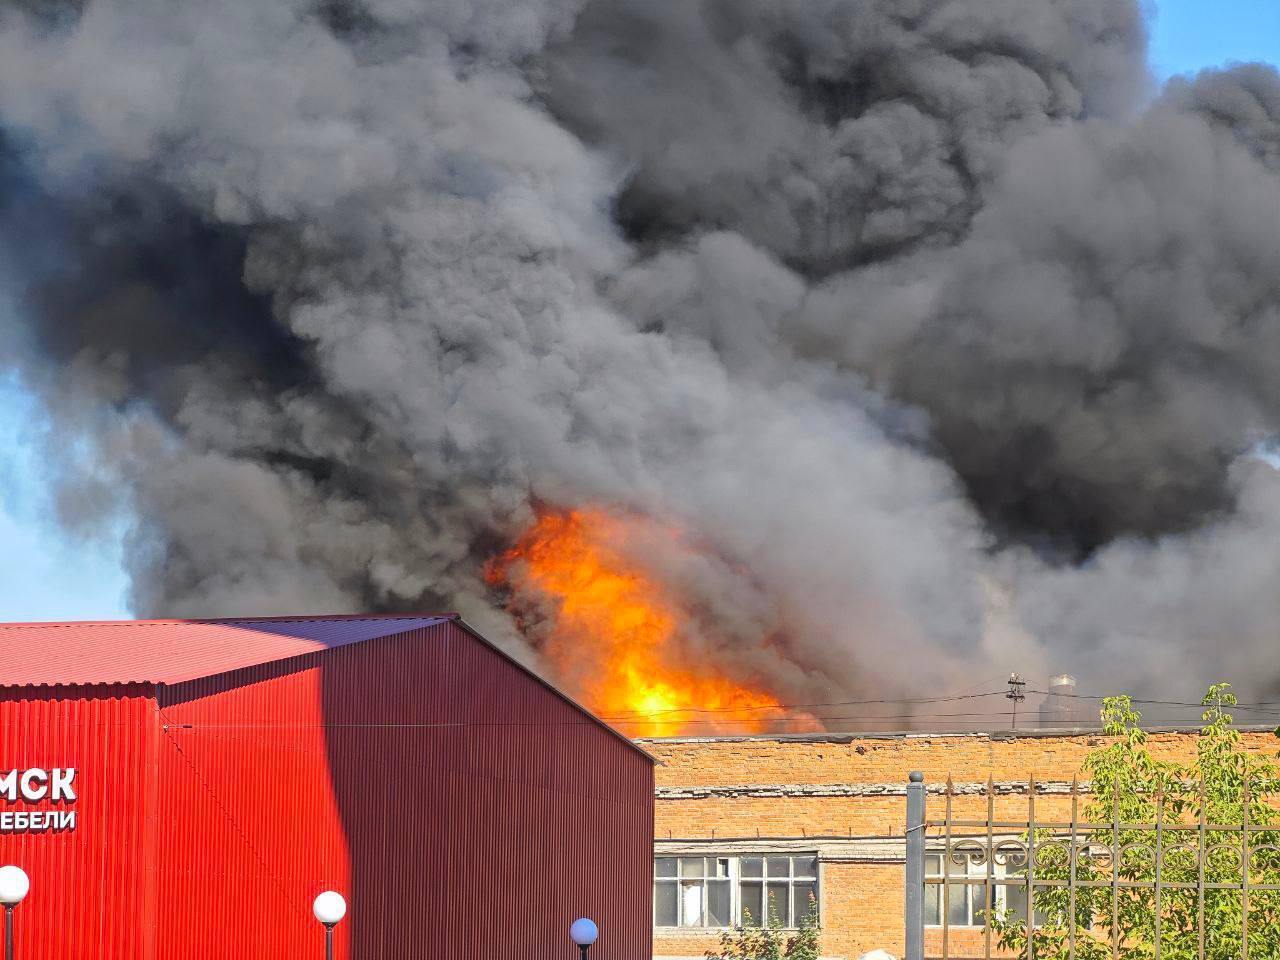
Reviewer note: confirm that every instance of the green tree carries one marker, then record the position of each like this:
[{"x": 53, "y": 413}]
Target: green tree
[
  {"x": 770, "y": 941},
  {"x": 1132, "y": 787}
]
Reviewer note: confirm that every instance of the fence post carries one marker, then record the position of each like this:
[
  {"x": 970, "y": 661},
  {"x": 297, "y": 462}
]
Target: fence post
[{"x": 915, "y": 868}]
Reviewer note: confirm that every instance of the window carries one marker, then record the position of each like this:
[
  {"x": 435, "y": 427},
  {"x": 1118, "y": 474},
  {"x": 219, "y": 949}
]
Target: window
[
  {"x": 964, "y": 900},
  {"x": 1012, "y": 897},
  {"x": 691, "y": 892},
  {"x": 787, "y": 886},
  {"x": 965, "y": 907},
  {"x": 728, "y": 891}
]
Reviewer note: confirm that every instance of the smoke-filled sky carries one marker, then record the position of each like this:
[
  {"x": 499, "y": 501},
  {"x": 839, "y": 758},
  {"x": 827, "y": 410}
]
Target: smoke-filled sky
[{"x": 945, "y": 330}]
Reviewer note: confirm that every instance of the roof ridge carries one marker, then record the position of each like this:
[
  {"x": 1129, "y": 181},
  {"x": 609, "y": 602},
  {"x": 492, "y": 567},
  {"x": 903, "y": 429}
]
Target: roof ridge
[
  {"x": 166, "y": 622},
  {"x": 173, "y": 651}
]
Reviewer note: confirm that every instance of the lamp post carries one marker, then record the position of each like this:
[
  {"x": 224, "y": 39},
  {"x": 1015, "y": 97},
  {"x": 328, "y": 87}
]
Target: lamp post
[
  {"x": 329, "y": 908},
  {"x": 583, "y": 932},
  {"x": 14, "y": 884}
]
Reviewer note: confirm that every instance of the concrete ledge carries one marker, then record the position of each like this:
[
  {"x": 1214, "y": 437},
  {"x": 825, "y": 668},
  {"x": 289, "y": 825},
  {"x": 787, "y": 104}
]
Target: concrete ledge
[
  {"x": 1002, "y": 787},
  {"x": 828, "y": 849},
  {"x": 1028, "y": 734}
]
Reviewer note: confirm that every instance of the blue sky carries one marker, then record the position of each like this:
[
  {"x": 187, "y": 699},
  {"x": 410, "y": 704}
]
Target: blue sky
[
  {"x": 44, "y": 576},
  {"x": 1187, "y": 35}
]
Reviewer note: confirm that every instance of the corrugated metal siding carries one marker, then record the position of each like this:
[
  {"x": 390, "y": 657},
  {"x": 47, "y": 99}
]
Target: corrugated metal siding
[
  {"x": 246, "y": 822},
  {"x": 464, "y": 809},
  {"x": 92, "y": 889}
]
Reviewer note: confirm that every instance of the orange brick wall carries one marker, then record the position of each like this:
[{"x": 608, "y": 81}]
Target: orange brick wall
[
  {"x": 863, "y": 905},
  {"x": 862, "y": 902}
]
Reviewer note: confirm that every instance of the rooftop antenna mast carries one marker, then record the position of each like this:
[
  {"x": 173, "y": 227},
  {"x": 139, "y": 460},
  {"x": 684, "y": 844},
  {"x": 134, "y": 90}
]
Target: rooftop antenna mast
[{"x": 1016, "y": 695}]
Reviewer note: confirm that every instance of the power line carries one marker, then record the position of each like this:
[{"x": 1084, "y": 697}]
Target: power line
[
  {"x": 988, "y": 682},
  {"x": 546, "y": 723},
  {"x": 797, "y": 706},
  {"x": 1267, "y": 706},
  {"x": 724, "y": 716},
  {"x": 1272, "y": 707}
]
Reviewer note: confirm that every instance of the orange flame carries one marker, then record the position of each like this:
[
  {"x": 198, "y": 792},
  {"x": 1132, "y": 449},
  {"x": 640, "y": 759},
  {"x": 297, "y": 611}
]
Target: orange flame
[{"x": 615, "y": 633}]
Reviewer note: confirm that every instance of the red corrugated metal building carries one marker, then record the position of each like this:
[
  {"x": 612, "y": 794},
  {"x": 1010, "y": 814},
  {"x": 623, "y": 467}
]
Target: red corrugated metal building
[{"x": 227, "y": 771}]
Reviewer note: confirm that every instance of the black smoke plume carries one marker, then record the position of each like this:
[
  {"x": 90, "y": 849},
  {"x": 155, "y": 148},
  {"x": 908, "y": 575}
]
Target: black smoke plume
[{"x": 950, "y": 339}]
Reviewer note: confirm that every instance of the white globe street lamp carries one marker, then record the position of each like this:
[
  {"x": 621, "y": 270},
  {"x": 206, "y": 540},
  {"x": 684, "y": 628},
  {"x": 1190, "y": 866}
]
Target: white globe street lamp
[
  {"x": 583, "y": 932},
  {"x": 14, "y": 884},
  {"x": 329, "y": 908}
]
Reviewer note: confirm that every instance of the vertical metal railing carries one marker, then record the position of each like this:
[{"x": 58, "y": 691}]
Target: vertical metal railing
[
  {"x": 948, "y": 863},
  {"x": 1160, "y": 888},
  {"x": 1244, "y": 872},
  {"x": 1118, "y": 856},
  {"x": 1201, "y": 853},
  {"x": 1072, "y": 853},
  {"x": 989, "y": 891},
  {"x": 1030, "y": 867},
  {"x": 1159, "y": 864}
]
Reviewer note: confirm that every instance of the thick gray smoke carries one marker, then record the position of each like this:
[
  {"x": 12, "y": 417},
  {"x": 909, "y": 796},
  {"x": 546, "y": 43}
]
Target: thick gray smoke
[{"x": 945, "y": 337}]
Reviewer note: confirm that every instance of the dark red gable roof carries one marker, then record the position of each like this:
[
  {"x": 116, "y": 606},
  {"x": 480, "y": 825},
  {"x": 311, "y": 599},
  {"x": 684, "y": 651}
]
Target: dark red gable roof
[
  {"x": 78, "y": 653},
  {"x": 171, "y": 651}
]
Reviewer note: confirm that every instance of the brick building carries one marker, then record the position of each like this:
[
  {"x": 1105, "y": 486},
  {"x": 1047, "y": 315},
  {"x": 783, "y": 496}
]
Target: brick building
[{"x": 737, "y": 817}]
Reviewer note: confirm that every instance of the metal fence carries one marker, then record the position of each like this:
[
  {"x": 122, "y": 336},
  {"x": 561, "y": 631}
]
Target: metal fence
[{"x": 1062, "y": 886}]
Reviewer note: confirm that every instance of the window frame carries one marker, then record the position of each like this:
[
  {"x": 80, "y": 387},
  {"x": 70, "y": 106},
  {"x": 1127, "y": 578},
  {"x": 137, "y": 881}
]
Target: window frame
[
  {"x": 1002, "y": 876},
  {"x": 735, "y": 880}
]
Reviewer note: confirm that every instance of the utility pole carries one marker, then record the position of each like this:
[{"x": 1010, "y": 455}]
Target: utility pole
[
  {"x": 1015, "y": 694},
  {"x": 914, "y": 871}
]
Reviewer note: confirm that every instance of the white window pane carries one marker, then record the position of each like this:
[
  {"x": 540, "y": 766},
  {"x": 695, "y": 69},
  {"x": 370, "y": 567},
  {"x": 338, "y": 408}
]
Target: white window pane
[
  {"x": 777, "y": 895},
  {"x": 664, "y": 867},
  {"x": 751, "y": 866},
  {"x": 778, "y": 866},
  {"x": 804, "y": 866},
  {"x": 719, "y": 868},
  {"x": 1015, "y": 899},
  {"x": 932, "y": 904},
  {"x": 933, "y": 864},
  {"x": 692, "y": 866},
  {"x": 718, "y": 904},
  {"x": 958, "y": 906},
  {"x": 752, "y": 904},
  {"x": 664, "y": 904},
  {"x": 983, "y": 904},
  {"x": 691, "y": 904},
  {"x": 803, "y": 900}
]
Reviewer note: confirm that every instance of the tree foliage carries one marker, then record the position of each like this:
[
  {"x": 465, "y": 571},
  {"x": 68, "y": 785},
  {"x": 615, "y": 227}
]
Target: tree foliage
[
  {"x": 770, "y": 941},
  {"x": 1131, "y": 786}
]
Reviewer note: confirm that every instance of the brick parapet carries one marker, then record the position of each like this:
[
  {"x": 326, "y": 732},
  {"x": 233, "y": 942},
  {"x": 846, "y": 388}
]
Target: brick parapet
[{"x": 843, "y": 796}]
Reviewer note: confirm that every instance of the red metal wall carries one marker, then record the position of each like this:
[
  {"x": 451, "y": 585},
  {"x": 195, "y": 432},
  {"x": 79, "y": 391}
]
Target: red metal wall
[
  {"x": 92, "y": 888},
  {"x": 464, "y": 809}
]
